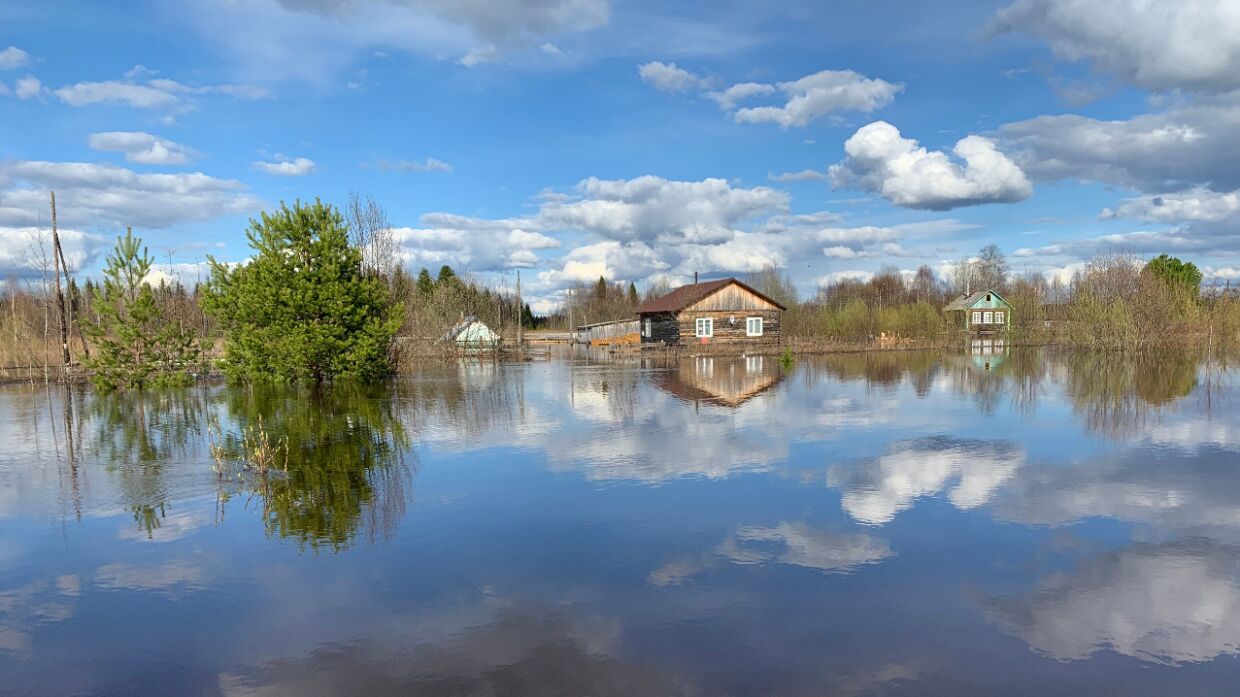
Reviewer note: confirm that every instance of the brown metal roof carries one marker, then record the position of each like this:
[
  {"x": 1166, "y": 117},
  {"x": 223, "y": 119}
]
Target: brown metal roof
[{"x": 685, "y": 296}]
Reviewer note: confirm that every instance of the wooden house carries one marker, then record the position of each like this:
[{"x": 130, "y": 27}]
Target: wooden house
[
  {"x": 983, "y": 311},
  {"x": 722, "y": 311}
]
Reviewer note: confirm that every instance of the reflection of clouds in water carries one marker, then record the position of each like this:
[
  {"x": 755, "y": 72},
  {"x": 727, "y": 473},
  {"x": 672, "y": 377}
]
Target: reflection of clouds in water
[
  {"x": 22, "y": 609},
  {"x": 172, "y": 527},
  {"x": 787, "y": 543},
  {"x": 166, "y": 578},
  {"x": 876, "y": 490},
  {"x": 515, "y": 653},
  {"x": 1168, "y": 489},
  {"x": 618, "y": 423},
  {"x": 1193, "y": 433},
  {"x": 1171, "y": 603}
]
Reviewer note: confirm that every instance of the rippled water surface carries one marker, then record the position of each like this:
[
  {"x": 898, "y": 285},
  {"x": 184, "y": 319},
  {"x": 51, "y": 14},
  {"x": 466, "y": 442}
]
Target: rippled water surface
[{"x": 1029, "y": 523}]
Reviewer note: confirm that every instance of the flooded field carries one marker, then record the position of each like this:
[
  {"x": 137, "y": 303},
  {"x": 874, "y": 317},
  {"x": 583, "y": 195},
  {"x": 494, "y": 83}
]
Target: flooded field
[{"x": 1008, "y": 522}]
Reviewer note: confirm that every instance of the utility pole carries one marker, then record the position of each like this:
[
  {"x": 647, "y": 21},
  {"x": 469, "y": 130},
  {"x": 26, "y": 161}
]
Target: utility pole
[
  {"x": 60, "y": 252},
  {"x": 58, "y": 261}
]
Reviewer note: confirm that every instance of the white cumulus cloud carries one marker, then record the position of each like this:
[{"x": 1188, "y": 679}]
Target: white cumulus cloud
[
  {"x": 909, "y": 175},
  {"x": 13, "y": 57},
  {"x": 729, "y": 98},
  {"x": 430, "y": 164},
  {"x": 28, "y": 87},
  {"x": 90, "y": 194},
  {"x": 649, "y": 208},
  {"x": 804, "y": 175},
  {"x": 1198, "y": 204},
  {"x": 294, "y": 167},
  {"x": 140, "y": 90},
  {"x": 142, "y": 148},
  {"x": 1190, "y": 44},
  {"x": 668, "y": 77},
  {"x": 21, "y": 247},
  {"x": 822, "y": 93}
]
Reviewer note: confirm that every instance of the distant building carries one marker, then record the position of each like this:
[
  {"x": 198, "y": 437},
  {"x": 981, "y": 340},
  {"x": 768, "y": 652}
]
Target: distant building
[
  {"x": 619, "y": 331},
  {"x": 471, "y": 333},
  {"x": 983, "y": 311},
  {"x": 723, "y": 311}
]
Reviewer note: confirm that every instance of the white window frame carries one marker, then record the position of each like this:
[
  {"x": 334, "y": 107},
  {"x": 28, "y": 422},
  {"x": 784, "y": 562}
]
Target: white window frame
[
  {"x": 646, "y": 327},
  {"x": 1000, "y": 317},
  {"x": 977, "y": 317},
  {"x": 708, "y": 323},
  {"x": 988, "y": 317},
  {"x": 749, "y": 324}
]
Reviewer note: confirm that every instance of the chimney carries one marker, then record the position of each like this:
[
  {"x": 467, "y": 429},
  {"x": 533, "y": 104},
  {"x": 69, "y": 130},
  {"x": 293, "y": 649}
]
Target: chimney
[{"x": 695, "y": 278}]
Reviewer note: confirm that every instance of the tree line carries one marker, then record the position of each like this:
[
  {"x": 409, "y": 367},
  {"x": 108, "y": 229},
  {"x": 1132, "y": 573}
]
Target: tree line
[
  {"x": 1114, "y": 302},
  {"x": 325, "y": 294}
]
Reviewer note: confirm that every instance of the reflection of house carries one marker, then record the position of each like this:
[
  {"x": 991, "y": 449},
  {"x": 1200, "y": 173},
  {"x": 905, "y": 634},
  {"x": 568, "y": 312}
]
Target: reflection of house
[
  {"x": 719, "y": 380},
  {"x": 983, "y": 311},
  {"x": 987, "y": 352},
  {"x": 715, "y": 311},
  {"x": 470, "y": 332}
]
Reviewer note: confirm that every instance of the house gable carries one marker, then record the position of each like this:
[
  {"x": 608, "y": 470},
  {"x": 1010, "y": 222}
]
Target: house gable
[
  {"x": 990, "y": 300},
  {"x": 733, "y": 297}
]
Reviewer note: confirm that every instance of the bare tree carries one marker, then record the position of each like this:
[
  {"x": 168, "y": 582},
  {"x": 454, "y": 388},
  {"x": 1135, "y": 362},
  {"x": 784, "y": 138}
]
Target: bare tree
[{"x": 371, "y": 232}]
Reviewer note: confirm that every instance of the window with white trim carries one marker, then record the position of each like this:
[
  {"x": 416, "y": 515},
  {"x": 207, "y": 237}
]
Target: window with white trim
[
  {"x": 646, "y": 327},
  {"x": 999, "y": 318},
  {"x": 988, "y": 318},
  {"x": 977, "y": 317},
  {"x": 753, "y": 326},
  {"x": 704, "y": 327}
]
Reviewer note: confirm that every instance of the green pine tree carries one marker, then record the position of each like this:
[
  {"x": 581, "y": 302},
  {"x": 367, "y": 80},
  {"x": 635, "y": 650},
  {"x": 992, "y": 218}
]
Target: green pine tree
[
  {"x": 446, "y": 275},
  {"x": 426, "y": 286},
  {"x": 1176, "y": 273},
  {"x": 301, "y": 308},
  {"x": 135, "y": 345},
  {"x": 633, "y": 295}
]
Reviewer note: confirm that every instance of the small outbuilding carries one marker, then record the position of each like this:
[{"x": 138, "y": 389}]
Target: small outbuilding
[
  {"x": 983, "y": 311},
  {"x": 471, "y": 333},
  {"x": 722, "y": 311}
]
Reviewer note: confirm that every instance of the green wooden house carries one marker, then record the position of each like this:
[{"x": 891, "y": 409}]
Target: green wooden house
[{"x": 983, "y": 311}]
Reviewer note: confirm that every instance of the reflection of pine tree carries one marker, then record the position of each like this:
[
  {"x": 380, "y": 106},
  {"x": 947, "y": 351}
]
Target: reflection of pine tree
[
  {"x": 346, "y": 461},
  {"x": 135, "y": 344}
]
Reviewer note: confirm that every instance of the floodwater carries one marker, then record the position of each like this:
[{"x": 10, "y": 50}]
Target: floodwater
[{"x": 1007, "y": 522}]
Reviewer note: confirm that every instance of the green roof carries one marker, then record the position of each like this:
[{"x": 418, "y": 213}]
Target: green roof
[{"x": 965, "y": 302}]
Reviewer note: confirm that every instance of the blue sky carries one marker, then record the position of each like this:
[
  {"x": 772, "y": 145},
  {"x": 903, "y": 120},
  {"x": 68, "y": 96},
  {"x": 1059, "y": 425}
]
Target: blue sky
[{"x": 573, "y": 138}]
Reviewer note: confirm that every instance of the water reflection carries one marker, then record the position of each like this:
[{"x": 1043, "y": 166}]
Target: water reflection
[
  {"x": 347, "y": 460},
  {"x": 910, "y": 522},
  {"x": 720, "y": 381},
  {"x": 1121, "y": 397},
  {"x": 519, "y": 651},
  {"x": 139, "y": 436},
  {"x": 874, "y": 491},
  {"x": 797, "y": 544},
  {"x": 1172, "y": 602}
]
